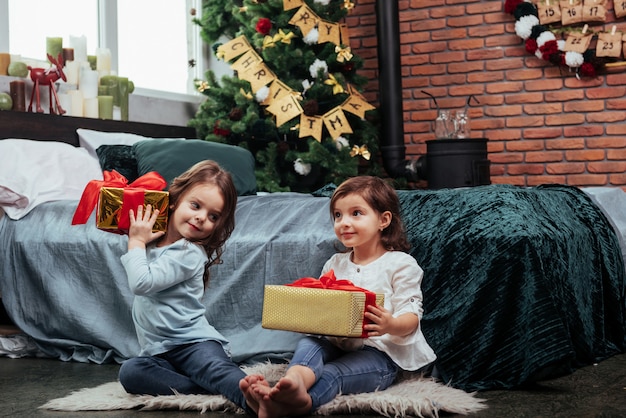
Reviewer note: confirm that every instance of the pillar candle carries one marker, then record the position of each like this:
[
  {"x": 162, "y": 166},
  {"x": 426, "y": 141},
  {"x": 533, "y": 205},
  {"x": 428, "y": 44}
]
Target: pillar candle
[
  {"x": 111, "y": 82},
  {"x": 68, "y": 54},
  {"x": 105, "y": 107},
  {"x": 92, "y": 60},
  {"x": 103, "y": 61},
  {"x": 123, "y": 92},
  {"x": 65, "y": 101},
  {"x": 5, "y": 60},
  {"x": 90, "y": 107},
  {"x": 79, "y": 44},
  {"x": 117, "y": 115},
  {"x": 76, "y": 97},
  {"x": 71, "y": 72},
  {"x": 88, "y": 83},
  {"x": 54, "y": 46},
  {"x": 18, "y": 95}
]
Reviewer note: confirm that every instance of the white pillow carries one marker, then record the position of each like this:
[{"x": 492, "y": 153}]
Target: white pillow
[
  {"x": 91, "y": 140},
  {"x": 34, "y": 172}
]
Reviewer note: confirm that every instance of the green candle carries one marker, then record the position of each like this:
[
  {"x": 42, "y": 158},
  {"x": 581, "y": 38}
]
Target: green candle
[
  {"x": 92, "y": 60},
  {"x": 111, "y": 82},
  {"x": 54, "y": 46},
  {"x": 105, "y": 107},
  {"x": 123, "y": 92}
]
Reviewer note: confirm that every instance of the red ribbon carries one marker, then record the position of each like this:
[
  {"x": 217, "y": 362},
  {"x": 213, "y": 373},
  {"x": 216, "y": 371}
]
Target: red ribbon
[
  {"x": 329, "y": 281},
  {"x": 133, "y": 195}
]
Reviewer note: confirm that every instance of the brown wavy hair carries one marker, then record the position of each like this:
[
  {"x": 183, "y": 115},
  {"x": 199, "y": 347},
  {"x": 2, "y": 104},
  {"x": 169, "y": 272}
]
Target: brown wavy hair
[
  {"x": 381, "y": 196},
  {"x": 209, "y": 172}
]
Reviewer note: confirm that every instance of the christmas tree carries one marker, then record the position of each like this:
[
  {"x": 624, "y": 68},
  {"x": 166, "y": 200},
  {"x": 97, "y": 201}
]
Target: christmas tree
[{"x": 294, "y": 97}]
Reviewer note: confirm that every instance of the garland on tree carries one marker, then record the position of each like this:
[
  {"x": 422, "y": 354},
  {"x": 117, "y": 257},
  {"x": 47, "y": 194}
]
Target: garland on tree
[
  {"x": 294, "y": 76},
  {"x": 541, "y": 41}
]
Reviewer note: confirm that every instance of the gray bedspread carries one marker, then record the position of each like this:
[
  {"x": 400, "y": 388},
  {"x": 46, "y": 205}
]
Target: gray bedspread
[
  {"x": 64, "y": 285},
  {"x": 520, "y": 284}
]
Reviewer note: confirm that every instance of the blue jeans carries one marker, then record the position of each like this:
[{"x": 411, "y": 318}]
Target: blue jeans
[
  {"x": 199, "y": 368},
  {"x": 338, "y": 371}
]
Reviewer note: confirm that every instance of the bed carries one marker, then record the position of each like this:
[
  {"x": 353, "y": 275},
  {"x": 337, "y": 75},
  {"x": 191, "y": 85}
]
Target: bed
[{"x": 521, "y": 284}]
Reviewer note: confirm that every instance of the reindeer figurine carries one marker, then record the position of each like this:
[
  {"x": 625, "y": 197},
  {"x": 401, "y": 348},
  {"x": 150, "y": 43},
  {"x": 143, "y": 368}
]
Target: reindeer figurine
[{"x": 47, "y": 77}]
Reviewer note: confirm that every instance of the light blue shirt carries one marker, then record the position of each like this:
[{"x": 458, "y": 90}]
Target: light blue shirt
[{"x": 168, "y": 287}]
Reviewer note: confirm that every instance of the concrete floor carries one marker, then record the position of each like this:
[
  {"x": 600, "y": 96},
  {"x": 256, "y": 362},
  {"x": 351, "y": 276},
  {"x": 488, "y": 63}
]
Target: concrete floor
[{"x": 594, "y": 391}]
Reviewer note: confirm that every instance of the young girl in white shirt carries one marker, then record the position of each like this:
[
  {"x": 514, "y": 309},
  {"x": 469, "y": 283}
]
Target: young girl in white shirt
[
  {"x": 168, "y": 273},
  {"x": 366, "y": 215}
]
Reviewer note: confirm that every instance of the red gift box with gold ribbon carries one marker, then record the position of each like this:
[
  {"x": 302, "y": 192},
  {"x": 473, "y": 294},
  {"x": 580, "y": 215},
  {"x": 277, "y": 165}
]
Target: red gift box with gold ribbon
[
  {"x": 114, "y": 197},
  {"x": 325, "y": 307}
]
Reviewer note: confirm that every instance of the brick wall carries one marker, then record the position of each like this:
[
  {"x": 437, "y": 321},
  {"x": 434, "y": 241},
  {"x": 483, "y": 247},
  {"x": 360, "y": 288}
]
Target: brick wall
[{"x": 543, "y": 124}]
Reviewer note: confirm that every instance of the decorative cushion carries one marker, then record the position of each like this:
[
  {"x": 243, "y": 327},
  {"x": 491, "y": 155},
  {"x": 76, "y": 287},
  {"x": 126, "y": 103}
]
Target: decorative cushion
[
  {"x": 120, "y": 158},
  {"x": 91, "y": 140},
  {"x": 42, "y": 171},
  {"x": 170, "y": 158}
]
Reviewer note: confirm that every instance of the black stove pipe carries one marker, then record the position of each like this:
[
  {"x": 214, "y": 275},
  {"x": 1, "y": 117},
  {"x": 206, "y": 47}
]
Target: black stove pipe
[{"x": 390, "y": 93}]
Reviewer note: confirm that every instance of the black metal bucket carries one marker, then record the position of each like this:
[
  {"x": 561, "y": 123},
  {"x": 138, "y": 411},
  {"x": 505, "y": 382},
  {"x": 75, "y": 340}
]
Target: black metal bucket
[{"x": 456, "y": 163}]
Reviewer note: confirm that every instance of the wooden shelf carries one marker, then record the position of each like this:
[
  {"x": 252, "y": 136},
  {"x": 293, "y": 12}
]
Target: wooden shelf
[{"x": 48, "y": 127}]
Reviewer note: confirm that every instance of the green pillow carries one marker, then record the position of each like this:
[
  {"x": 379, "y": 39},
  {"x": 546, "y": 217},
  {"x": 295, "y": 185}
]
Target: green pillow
[{"x": 172, "y": 157}]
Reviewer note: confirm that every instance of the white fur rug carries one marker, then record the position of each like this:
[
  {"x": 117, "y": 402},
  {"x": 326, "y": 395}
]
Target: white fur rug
[{"x": 411, "y": 397}]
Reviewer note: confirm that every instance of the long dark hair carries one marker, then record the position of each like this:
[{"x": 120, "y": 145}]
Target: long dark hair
[
  {"x": 381, "y": 196},
  {"x": 210, "y": 172}
]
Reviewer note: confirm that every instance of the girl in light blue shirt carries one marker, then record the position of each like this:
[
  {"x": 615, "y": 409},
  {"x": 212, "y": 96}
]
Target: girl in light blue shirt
[{"x": 168, "y": 273}]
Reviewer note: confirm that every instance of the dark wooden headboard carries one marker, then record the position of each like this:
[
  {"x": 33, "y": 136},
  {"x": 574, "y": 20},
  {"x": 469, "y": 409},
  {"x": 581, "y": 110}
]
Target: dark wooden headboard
[{"x": 45, "y": 127}]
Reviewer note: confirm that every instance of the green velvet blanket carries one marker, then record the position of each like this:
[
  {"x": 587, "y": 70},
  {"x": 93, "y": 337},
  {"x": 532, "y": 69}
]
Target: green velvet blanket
[{"x": 521, "y": 283}]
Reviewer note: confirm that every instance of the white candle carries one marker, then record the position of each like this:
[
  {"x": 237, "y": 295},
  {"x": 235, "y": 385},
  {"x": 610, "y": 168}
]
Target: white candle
[
  {"x": 88, "y": 83},
  {"x": 76, "y": 97},
  {"x": 79, "y": 43},
  {"x": 117, "y": 113},
  {"x": 71, "y": 72},
  {"x": 103, "y": 61},
  {"x": 90, "y": 107},
  {"x": 65, "y": 100}
]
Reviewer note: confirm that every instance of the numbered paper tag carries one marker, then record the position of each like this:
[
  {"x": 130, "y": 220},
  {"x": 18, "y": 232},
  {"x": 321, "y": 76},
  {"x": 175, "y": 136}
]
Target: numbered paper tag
[
  {"x": 577, "y": 42},
  {"x": 620, "y": 8},
  {"x": 571, "y": 12},
  {"x": 609, "y": 44},
  {"x": 594, "y": 11},
  {"x": 549, "y": 11}
]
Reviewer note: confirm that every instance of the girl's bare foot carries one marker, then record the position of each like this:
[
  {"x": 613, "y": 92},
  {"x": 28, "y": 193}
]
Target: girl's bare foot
[
  {"x": 288, "y": 397},
  {"x": 247, "y": 386}
]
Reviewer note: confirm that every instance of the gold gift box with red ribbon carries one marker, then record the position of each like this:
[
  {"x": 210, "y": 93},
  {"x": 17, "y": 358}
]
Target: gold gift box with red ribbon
[
  {"x": 114, "y": 202},
  {"x": 325, "y": 307},
  {"x": 114, "y": 198}
]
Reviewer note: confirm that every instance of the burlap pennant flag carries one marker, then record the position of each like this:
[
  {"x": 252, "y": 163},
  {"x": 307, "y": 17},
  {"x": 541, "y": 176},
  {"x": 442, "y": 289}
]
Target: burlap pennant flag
[
  {"x": 336, "y": 123},
  {"x": 311, "y": 126}
]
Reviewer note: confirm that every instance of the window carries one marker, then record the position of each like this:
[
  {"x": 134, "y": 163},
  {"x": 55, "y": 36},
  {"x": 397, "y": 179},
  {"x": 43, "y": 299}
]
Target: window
[{"x": 153, "y": 42}]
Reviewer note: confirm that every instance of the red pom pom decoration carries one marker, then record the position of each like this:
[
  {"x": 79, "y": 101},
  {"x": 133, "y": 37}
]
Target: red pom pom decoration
[
  {"x": 511, "y": 5},
  {"x": 264, "y": 26},
  {"x": 531, "y": 46}
]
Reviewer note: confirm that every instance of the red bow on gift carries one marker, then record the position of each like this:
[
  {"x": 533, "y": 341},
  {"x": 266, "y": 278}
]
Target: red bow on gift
[
  {"x": 329, "y": 281},
  {"x": 133, "y": 194}
]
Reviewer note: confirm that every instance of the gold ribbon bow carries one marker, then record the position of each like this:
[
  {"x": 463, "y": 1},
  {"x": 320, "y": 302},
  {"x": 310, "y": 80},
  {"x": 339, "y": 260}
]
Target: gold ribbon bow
[
  {"x": 348, "y": 5},
  {"x": 332, "y": 81},
  {"x": 343, "y": 54},
  {"x": 202, "y": 86},
  {"x": 283, "y": 37},
  {"x": 268, "y": 42},
  {"x": 362, "y": 151},
  {"x": 246, "y": 94}
]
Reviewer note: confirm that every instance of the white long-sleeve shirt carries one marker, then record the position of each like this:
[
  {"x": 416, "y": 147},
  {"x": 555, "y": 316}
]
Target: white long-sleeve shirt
[
  {"x": 168, "y": 287},
  {"x": 398, "y": 276}
]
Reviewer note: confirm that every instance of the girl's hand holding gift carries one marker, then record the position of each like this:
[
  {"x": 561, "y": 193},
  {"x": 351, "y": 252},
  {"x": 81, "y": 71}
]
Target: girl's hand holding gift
[{"x": 140, "y": 232}]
